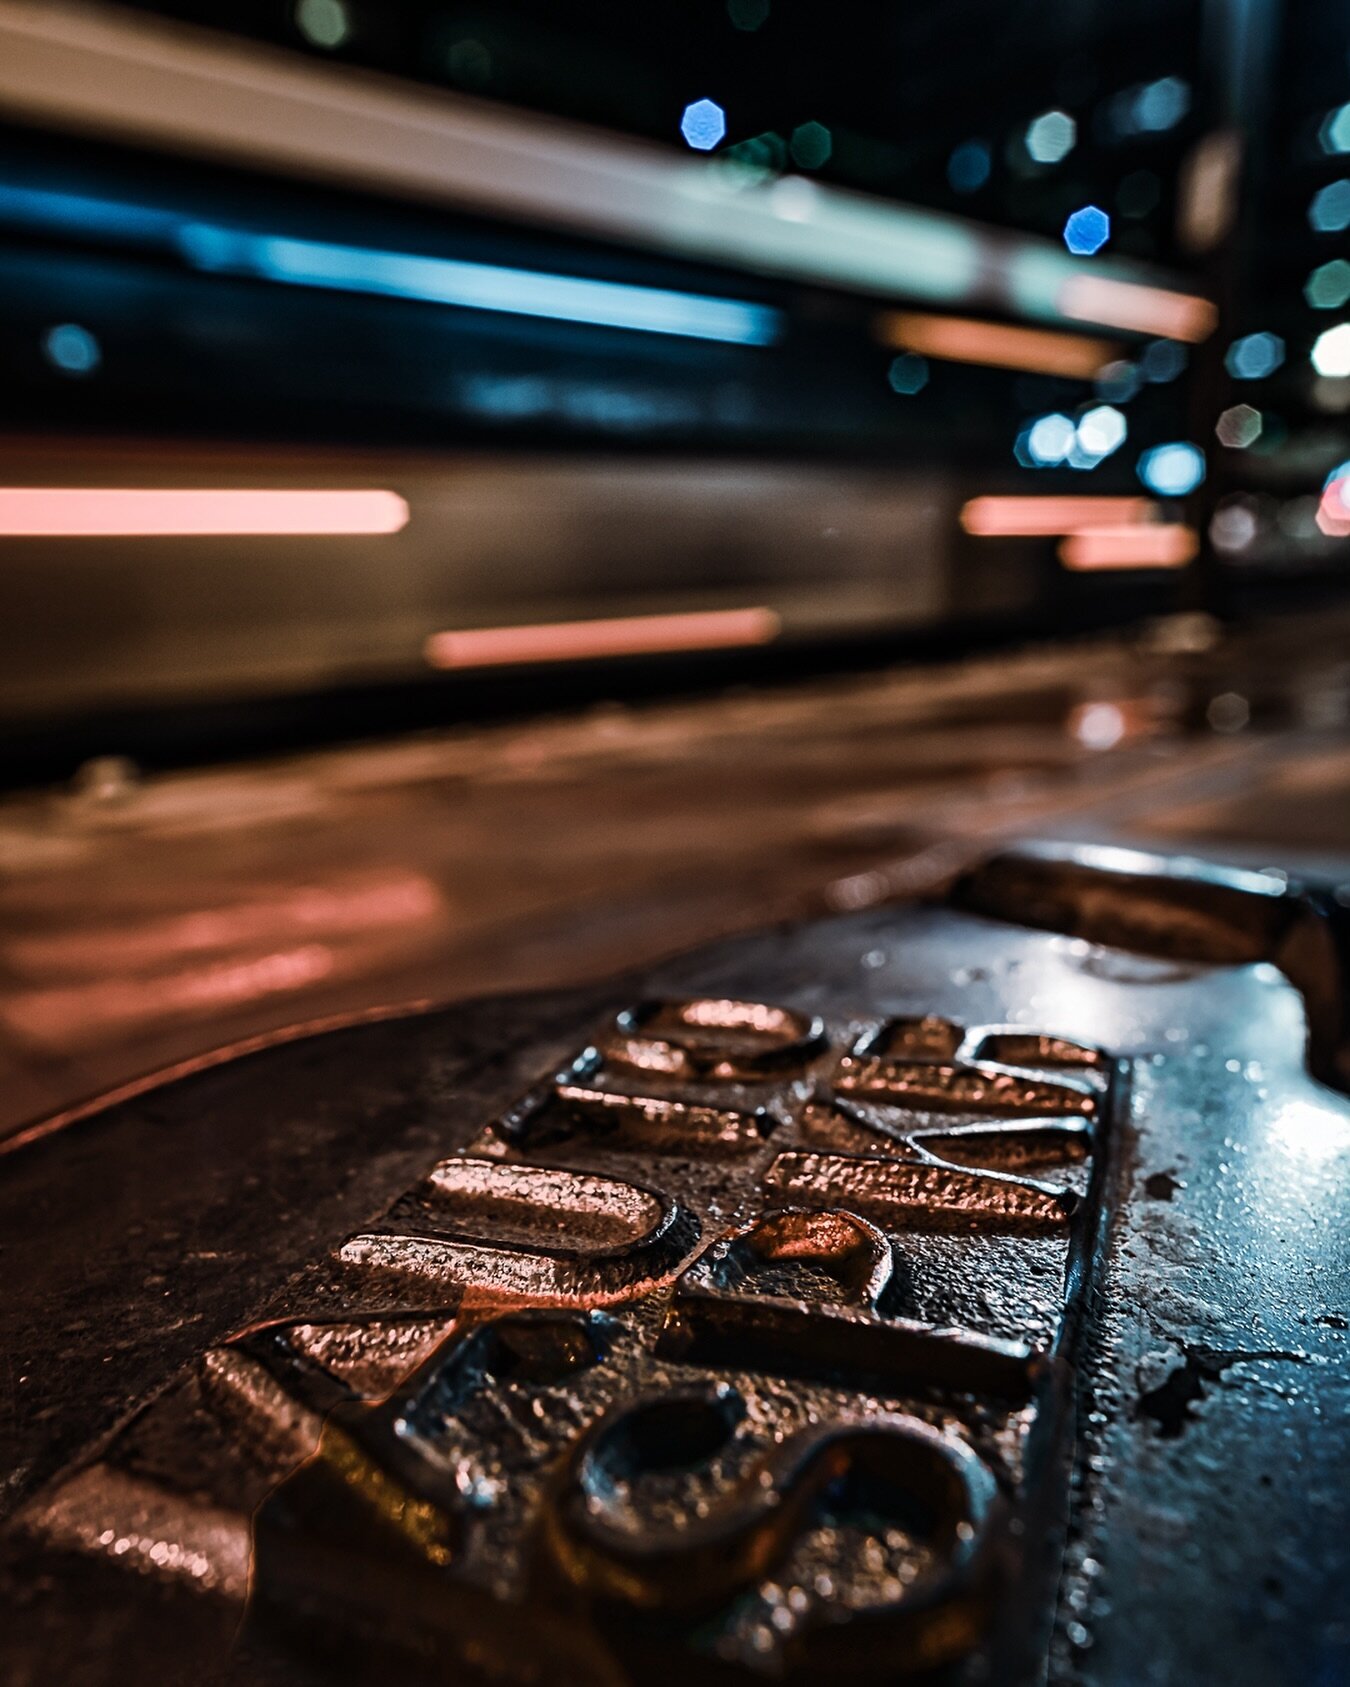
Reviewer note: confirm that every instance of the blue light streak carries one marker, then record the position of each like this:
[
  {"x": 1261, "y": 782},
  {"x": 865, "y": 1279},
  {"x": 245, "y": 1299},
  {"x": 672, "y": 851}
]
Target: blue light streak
[
  {"x": 83, "y": 214},
  {"x": 473, "y": 286},
  {"x": 218, "y": 249}
]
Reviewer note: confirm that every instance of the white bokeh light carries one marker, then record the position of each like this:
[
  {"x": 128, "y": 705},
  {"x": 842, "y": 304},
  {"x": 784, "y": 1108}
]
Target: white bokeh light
[
  {"x": 1051, "y": 136},
  {"x": 1050, "y": 440},
  {"x": 1331, "y": 351}
]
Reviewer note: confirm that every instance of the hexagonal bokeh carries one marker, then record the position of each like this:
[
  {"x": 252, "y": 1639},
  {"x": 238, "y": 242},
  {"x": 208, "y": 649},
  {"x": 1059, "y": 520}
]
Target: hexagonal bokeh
[
  {"x": 1238, "y": 427},
  {"x": 1087, "y": 230}
]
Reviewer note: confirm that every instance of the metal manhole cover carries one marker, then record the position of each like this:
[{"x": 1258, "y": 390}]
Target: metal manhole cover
[{"x": 786, "y": 1314}]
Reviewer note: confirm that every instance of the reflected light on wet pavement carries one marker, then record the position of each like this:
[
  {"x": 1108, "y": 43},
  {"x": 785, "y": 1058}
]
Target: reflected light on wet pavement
[{"x": 146, "y": 921}]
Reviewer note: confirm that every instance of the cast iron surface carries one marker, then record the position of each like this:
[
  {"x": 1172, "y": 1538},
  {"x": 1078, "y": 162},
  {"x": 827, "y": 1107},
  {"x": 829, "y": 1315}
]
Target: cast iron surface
[{"x": 910, "y": 1292}]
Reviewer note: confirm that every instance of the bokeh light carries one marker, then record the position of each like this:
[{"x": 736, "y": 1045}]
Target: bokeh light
[
  {"x": 1254, "y": 356},
  {"x": 748, "y": 14},
  {"x": 1101, "y": 431},
  {"x": 908, "y": 373},
  {"x": 1331, "y": 394},
  {"x": 1162, "y": 361},
  {"x": 1050, "y": 440},
  {"x": 811, "y": 145},
  {"x": 1329, "y": 211},
  {"x": 1118, "y": 382},
  {"x": 1328, "y": 287},
  {"x": 1335, "y": 131},
  {"x": 704, "y": 124},
  {"x": 72, "y": 349},
  {"x": 1238, "y": 427},
  {"x": 755, "y": 160},
  {"x": 469, "y": 62},
  {"x": 1331, "y": 351},
  {"x": 1051, "y": 136},
  {"x": 1234, "y": 524},
  {"x": 1097, "y": 726},
  {"x": 1160, "y": 105},
  {"x": 1333, "y": 511},
  {"x": 1148, "y": 108},
  {"x": 968, "y": 167},
  {"x": 1228, "y": 712},
  {"x": 1297, "y": 517},
  {"x": 1087, "y": 231},
  {"x": 1172, "y": 470},
  {"x": 323, "y": 23}
]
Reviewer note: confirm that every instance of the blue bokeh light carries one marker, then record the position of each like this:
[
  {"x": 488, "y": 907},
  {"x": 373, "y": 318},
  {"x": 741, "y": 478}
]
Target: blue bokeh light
[
  {"x": 1328, "y": 287},
  {"x": 1087, "y": 231},
  {"x": 968, "y": 167},
  {"x": 1172, "y": 470},
  {"x": 72, "y": 349},
  {"x": 1329, "y": 211},
  {"x": 908, "y": 373},
  {"x": 1050, "y": 440},
  {"x": 704, "y": 124},
  {"x": 1254, "y": 356},
  {"x": 1119, "y": 381},
  {"x": 1163, "y": 361},
  {"x": 1160, "y": 105},
  {"x": 1335, "y": 131}
]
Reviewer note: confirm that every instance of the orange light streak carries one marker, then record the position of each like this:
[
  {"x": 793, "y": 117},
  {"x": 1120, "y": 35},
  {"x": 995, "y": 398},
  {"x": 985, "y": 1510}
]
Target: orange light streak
[
  {"x": 629, "y": 635},
  {"x": 959, "y": 339},
  {"x": 342, "y": 906},
  {"x": 127, "y": 512},
  {"x": 51, "y": 1018},
  {"x": 1167, "y": 545},
  {"x": 1012, "y": 516},
  {"x": 1144, "y": 310}
]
